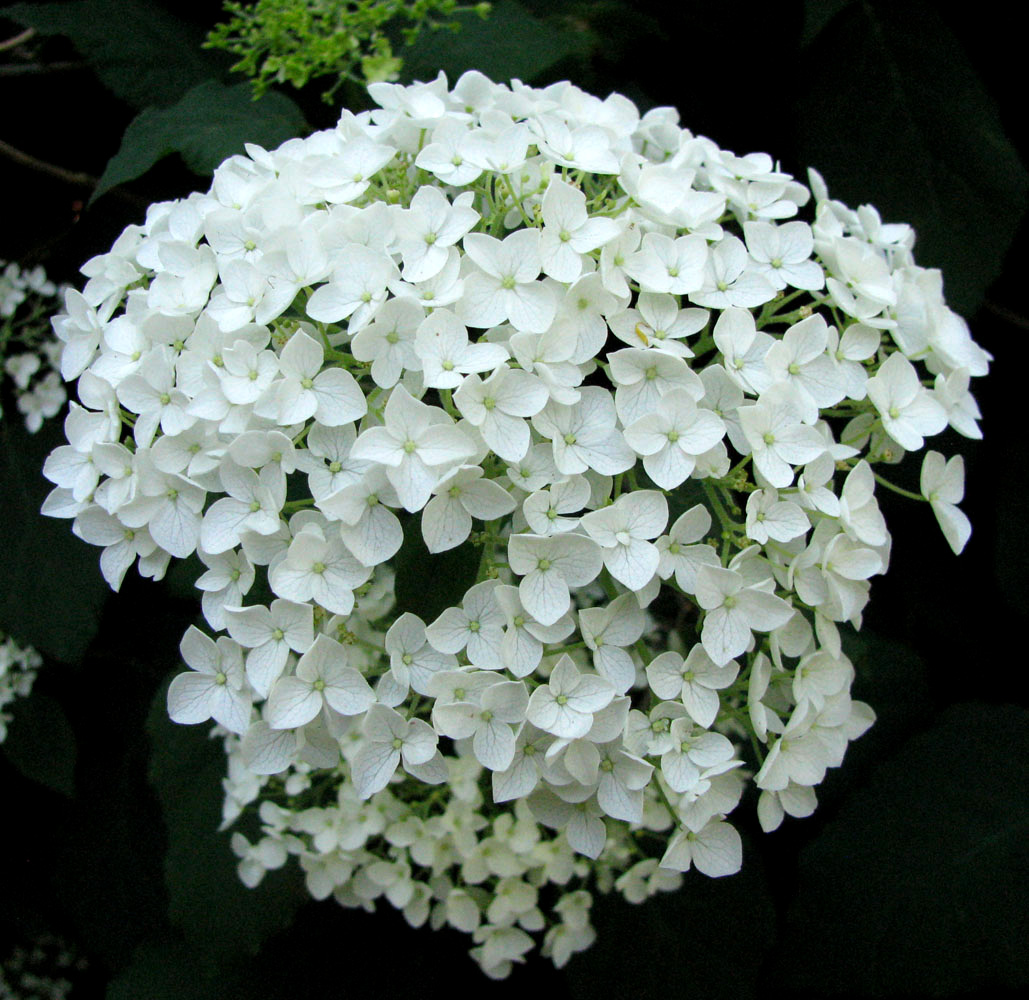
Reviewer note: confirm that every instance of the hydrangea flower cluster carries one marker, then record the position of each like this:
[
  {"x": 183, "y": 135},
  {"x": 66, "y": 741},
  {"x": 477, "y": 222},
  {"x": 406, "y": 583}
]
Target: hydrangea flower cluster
[
  {"x": 18, "y": 666},
  {"x": 648, "y": 380},
  {"x": 44, "y": 970},
  {"x": 29, "y": 352}
]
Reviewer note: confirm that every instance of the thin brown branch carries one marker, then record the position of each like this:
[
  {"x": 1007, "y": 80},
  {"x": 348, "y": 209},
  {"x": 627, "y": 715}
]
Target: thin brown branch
[
  {"x": 39, "y": 69},
  {"x": 1007, "y": 314},
  {"x": 41, "y": 166},
  {"x": 15, "y": 40}
]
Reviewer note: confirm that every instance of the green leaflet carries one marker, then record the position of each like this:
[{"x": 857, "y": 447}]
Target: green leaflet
[{"x": 211, "y": 122}]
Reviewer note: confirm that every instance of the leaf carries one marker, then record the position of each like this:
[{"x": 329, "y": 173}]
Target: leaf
[
  {"x": 712, "y": 934},
  {"x": 142, "y": 53},
  {"x": 817, "y": 14},
  {"x": 509, "y": 43},
  {"x": 895, "y": 115},
  {"x": 41, "y": 744},
  {"x": 427, "y": 584},
  {"x": 918, "y": 886},
  {"x": 160, "y": 970},
  {"x": 206, "y": 126},
  {"x": 39, "y": 605},
  {"x": 218, "y": 915},
  {"x": 892, "y": 678}
]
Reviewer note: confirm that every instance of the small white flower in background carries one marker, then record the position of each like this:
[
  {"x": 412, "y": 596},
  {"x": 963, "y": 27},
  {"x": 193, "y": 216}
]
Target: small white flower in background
[
  {"x": 18, "y": 667},
  {"x": 645, "y": 389},
  {"x": 30, "y": 352}
]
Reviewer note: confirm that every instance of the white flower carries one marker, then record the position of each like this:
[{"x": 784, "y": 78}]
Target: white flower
[
  {"x": 323, "y": 678},
  {"x": 524, "y": 637},
  {"x": 733, "y": 610},
  {"x": 413, "y": 660},
  {"x": 317, "y": 567},
  {"x": 442, "y": 346},
  {"x": 403, "y": 325},
  {"x": 502, "y": 285},
  {"x": 476, "y": 626},
  {"x": 568, "y": 231},
  {"x": 690, "y": 753},
  {"x": 800, "y": 360},
  {"x": 657, "y": 321},
  {"x": 355, "y": 290},
  {"x": 215, "y": 688},
  {"x": 777, "y": 438},
  {"x": 672, "y": 436},
  {"x": 544, "y": 509},
  {"x": 487, "y": 722},
  {"x": 715, "y": 850},
  {"x": 744, "y": 348},
  {"x": 430, "y": 226},
  {"x": 331, "y": 396},
  {"x": 253, "y": 504},
  {"x": 831, "y": 572},
  {"x": 268, "y": 634},
  {"x": 624, "y": 530},
  {"x": 607, "y": 631},
  {"x": 390, "y": 739},
  {"x": 416, "y": 441},
  {"x": 663, "y": 264},
  {"x": 370, "y": 530},
  {"x": 782, "y": 254},
  {"x": 565, "y": 705},
  {"x": 643, "y": 377},
  {"x": 770, "y": 517},
  {"x": 943, "y": 485},
  {"x": 497, "y": 406},
  {"x": 694, "y": 681},
  {"x": 584, "y": 435},
  {"x": 730, "y": 280},
  {"x": 678, "y": 555},
  {"x": 549, "y": 566},
  {"x": 909, "y": 412},
  {"x": 460, "y": 496}
]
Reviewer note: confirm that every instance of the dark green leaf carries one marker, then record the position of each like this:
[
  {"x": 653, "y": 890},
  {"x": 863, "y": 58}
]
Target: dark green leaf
[
  {"x": 509, "y": 43},
  {"x": 919, "y": 885},
  {"x": 891, "y": 677},
  {"x": 709, "y": 940},
  {"x": 428, "y": 584},
  {"x": 817, "y": 14},
  {"x": 141, "y": 52},
  {"x": 161, "y": 970},
  {"x": 896, "y": 116},
  {"x": 40, "y": 743},
  {"x": 206, "y": 126},
  {"x": 52, "y": 590},
  {"x": 217, "y": 914}
]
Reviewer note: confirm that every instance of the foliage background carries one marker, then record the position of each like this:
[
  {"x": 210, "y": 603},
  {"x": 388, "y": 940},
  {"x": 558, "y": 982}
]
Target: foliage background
[{"x": 912, "y": 876}]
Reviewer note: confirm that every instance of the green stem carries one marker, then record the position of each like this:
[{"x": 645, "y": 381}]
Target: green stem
[
  {"x": 447, "y": 398},
  {"x": 898, "y": 489},
  {"x": 716, "y": 502},
  {"x": 561, "y": 650},
  {"x": 521, "y": 209}
]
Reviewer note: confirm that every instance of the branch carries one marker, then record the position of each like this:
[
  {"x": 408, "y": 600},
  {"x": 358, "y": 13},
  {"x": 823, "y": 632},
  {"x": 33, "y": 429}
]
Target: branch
[
  {"x": 1007, "y": 314},
  {"x": 68, "y": 176},
  {"x": 16, "y": 40},
  {"x": 26, "y": 69}
]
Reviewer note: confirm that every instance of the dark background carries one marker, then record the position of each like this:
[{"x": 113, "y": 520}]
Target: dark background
[{"x": 910, "y": 879}]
